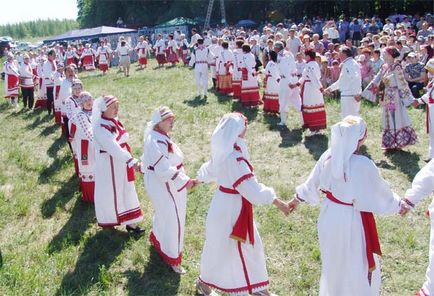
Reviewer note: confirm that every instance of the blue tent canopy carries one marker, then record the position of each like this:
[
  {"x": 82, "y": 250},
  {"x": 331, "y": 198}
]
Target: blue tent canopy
[
  {"x": 89, "y": 33},
  {"x": 246, "y": 23}
]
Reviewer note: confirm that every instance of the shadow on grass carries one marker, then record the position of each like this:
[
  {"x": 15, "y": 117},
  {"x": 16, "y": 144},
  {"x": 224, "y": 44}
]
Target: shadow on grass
[
  {"x": 81, "y": 218},
  {"x": 99, "y": 253},
  {"x": 42, "y": 119},
  {"x": 250, "y": 113},
  {"x": 157, "y": 278},
  {"x": 56, "y": 146},
  {"x": 364, "y": 151},
  {"x": 60, "y": 198},
  {"x": 49, "y": 130},
  {"x": 316, "y": 145},
  {"x": 272, "y": 120},
  {"x": 406, "y": 162},
  {"x": 196, "y": 102},
  {"x": 5, "y": 106},
  {"x": 290, "y": 137},
  {"x": 47, "y": 172}
]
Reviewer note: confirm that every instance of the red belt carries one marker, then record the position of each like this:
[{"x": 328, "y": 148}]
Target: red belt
[
  {"x": 370, "y": 229},
  {"x": 244, "y": 224}
]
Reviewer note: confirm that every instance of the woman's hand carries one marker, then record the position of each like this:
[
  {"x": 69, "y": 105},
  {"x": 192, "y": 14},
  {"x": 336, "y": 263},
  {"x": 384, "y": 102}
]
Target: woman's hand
[
  {"x": 282, "y": 206},
  {"x": 293, "y": 204}
]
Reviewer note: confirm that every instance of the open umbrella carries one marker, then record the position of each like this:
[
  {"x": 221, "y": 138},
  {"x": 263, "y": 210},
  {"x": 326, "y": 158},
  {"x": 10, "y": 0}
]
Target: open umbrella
[{"x": 246, "y": 23}]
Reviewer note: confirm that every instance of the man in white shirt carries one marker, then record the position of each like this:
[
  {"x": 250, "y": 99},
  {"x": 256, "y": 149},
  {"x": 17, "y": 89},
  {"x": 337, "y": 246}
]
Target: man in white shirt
[
  {"x": 349, "y": 84},
  {"x": 293, "y": 44},
  {"x": 48, "y": 70},
  {"x": 194, "y": 37}
]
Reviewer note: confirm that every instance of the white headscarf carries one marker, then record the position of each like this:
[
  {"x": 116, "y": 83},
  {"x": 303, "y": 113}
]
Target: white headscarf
[
  {"x": 100, "y": 105},
  {"x": 225, "y": 135},
  {"x": 346, "y": 136},
  {"x": 159, "y": 114}
]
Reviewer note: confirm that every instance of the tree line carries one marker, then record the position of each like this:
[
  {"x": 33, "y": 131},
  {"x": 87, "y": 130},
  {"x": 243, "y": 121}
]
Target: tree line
[
  {"x": 151, "y": 12},
  {"x": 38, "y": 28}
]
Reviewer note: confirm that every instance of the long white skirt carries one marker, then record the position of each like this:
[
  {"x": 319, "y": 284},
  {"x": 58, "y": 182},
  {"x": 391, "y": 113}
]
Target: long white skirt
[{"x": 226, "y": 264}]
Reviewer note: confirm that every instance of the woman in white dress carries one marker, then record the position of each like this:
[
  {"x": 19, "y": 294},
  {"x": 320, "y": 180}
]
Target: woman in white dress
[
  {"x": 116, "y": 201},
  {"x": 83, "y": 148},
  {"x": 166, "y": 184},
  {"x": 354, "y": 191},
  {"x": 233, "y": 258}
]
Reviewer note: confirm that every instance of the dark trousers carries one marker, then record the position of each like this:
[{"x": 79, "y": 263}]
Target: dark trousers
[
  {"x": 28, "y": 96},
  {"x": 415, "y": 87},
  {"x": 50, "y": 99},
  {"x": 66, "y": 130}
]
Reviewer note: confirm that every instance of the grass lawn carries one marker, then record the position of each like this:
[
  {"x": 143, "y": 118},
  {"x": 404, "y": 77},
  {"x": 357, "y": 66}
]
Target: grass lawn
[{"x": 50, "y": 243}]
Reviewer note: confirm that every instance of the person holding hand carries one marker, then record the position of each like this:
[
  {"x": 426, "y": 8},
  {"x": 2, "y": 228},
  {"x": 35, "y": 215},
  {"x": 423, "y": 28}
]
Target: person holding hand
[
  {"x": 233, "y": 258},
  {"x": 354, "y": 191},
  {"x": 116, "y": 201},
  {"x": 166, "y": 184}
]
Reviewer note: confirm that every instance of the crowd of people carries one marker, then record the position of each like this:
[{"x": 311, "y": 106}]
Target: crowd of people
[{"x": 392, "y": 64}]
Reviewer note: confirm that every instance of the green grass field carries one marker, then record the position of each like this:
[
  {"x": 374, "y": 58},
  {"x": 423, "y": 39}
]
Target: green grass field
[{"x": 50, "y": 243}]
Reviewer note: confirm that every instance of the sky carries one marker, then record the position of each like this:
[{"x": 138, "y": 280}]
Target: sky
[{"x": 14, "y": 11}]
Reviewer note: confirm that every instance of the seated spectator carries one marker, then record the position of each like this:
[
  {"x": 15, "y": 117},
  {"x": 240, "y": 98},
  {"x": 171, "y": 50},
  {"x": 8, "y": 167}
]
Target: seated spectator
[{"x": 415, "y": 74}]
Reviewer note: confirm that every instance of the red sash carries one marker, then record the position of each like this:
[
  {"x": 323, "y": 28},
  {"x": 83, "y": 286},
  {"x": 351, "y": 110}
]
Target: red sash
[
  {"x": 370, "y": 229},
  {"x": 13, "y": 82},
  {"x": 72, "y": 132},
  {"x": 244, "y": 74},
  {"x": 84, "y": 152},
  {"x": 244, "y": 224},
  {"x": 130, "y": 170}
]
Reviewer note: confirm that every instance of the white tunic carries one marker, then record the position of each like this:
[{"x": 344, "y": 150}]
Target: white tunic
[
  {"x": 237, "y": 63},
  {"x": 428, "y": 99},
  {"x": 26, "y": 76},
  {"x": 116, "y": 199},
  {"x": 165, "y": 182},
  {"x": 340, "y": 230},
  {"x": 288, "y": 75},
  {"x": 160, "y": 46},
  {"x": 142, "y": 49},
  {"x": 423, "y": 186},
  {"x": 103, "y": 54},
  {"x": 311, "y": 77},
  {"x": 271, "y": 75},
  {"x": 64, "y": 93},
  {"x": 58, "y": 80},
  {"x": 82, "y": 145},
  {"x": 349, "y": 84},
  {"x": 223, "y": 257},
  {"x": 48, "y": 70},
  {"x": 225, "y": 58}
]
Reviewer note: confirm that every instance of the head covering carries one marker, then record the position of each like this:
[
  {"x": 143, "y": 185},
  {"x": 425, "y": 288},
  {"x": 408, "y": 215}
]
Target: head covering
[
  {"x": 225, "y": 136},
  {"x": 430, "y": 65},
  {"x": 158, "y": 115},
  {"x": 77, "y": 82},
  {"x": 84, "y": 97},
  {"x": 345, "y": 138},
  {"x": 100, "y": 105}
]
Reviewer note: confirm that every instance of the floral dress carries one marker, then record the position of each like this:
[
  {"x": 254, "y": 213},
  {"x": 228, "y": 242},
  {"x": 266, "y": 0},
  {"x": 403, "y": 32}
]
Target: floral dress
[{"x": 395, "y": 96}]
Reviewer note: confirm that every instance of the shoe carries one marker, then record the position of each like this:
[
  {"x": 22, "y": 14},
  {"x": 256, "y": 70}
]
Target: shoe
[
  {"x": 203, "y": 289},
  {"x": 136, "y": 230},
  {"x": 178, "y": 269}
]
